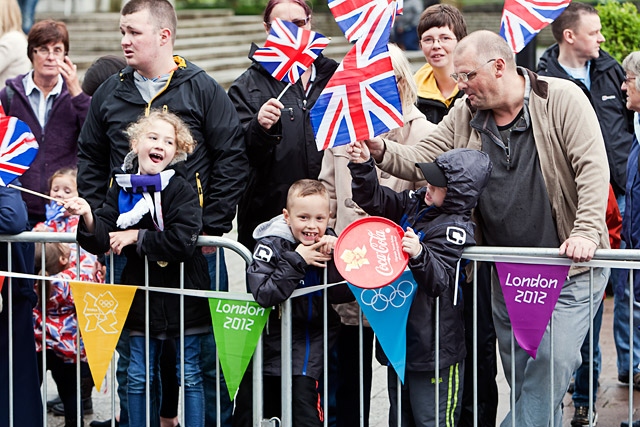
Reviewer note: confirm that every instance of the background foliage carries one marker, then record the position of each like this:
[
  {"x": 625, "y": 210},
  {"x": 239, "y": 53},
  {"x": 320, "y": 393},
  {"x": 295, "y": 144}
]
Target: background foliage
[{"x": 620, "y": 26}]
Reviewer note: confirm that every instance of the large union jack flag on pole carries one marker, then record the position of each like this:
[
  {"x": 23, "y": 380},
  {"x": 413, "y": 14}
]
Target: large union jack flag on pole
[
  {"x": 355, "y": 17},
  {"x": 523, "y": 19},
  {"x": 361, "y": 100},
  {"x": 289, "y": 50},
  {"x": 17, "y": 150}
]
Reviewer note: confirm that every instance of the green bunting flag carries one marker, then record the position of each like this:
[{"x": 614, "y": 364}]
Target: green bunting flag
[{"x": 237, "y": 326}]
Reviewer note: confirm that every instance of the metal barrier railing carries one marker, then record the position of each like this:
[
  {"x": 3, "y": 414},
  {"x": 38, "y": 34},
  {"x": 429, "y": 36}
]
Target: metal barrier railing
[{"x": 627, "y": 259}]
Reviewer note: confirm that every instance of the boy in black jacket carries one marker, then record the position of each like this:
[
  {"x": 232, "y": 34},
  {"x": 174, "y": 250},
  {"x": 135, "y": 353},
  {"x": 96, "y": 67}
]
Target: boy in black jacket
[
  {"x": 438, "y": 226},
  {"x": 292, "y": 252}
]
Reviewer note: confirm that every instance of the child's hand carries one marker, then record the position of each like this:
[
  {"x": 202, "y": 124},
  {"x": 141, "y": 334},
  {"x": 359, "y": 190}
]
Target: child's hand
[
  {"x": 41, "y": 227},
  {"x": 119, "y": 239},
  {"x": 77, "y": 206},
  {"x": 358, "y": 152},
  {"x": 328, "y": 243},
  {"x": 311, "y": 254},
  {"x": 411, "y": 243}
]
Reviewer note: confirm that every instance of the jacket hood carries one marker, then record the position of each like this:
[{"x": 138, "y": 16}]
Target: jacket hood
[
  {"x": 276, "y": 227},
  {"x": 467, "y": 173},
  {"x": 549, "y": 65}
]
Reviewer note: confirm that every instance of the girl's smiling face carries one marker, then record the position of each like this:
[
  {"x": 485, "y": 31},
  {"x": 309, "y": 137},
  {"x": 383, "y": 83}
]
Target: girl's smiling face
[{"x": 155, "y": 146}]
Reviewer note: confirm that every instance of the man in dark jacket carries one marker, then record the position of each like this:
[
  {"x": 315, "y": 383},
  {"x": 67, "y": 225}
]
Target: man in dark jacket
[
  {"x": 577, "y": 57},
  {"x": 155, "y": 78}
]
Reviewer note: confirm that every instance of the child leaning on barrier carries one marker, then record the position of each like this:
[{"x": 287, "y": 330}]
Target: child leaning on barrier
[
  {"x": 438, "y": 226},
  {"x": 292, "y": 252},
  {"x": 151, "y": 212},
  {"x": 61, "y": 326}
]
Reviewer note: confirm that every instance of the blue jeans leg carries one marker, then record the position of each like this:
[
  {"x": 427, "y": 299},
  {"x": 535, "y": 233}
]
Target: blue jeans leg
[
  {"x": 581, "y": 389},
  {"x": 620, "y": 280},
  {"x": 208, "y": 353},
  {"x": 193, "y": 391},
  {"x": 137, "y": 381},
  {"x": 28, "y": 10}
]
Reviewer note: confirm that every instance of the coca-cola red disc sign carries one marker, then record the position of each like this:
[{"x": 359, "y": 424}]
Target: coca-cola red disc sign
[{"x": 369, "y": 254}]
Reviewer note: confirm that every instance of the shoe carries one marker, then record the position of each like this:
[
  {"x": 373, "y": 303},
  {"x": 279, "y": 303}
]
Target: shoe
[
  {"x": 634, "y": 424},
  {"x": 636, "y": 380},
  {"x": 106, "y": 423},
  {"x": 87, "y": 408},
  {"x": 581, "y": 417},
  {"x": 572, "y": 386},
  {"x": 53, "y": 402},
  {"x": 624, "y": 378}
]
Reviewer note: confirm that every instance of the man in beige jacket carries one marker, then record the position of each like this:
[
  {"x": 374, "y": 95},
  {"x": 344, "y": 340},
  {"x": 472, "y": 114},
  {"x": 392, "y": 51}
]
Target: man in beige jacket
[{"x": 548, "y": 188}]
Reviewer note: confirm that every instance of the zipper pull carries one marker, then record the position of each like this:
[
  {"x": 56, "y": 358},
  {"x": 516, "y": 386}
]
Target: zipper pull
[
  {"x": 304, "y": 105},
  {"x": 291, "y": 113}
]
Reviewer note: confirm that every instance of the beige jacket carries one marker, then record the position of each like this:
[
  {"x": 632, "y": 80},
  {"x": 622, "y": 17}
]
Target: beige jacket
[
  {"x": 335, "y": 175},
  {"x": 13, "y": 56},
  {"x": 570, "y": 145}
]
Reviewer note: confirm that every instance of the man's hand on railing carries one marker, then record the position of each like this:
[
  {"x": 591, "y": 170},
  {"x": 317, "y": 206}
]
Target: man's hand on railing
[{"x": 579, "y": 249}]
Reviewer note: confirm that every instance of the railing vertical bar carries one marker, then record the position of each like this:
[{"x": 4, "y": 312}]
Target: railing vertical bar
[
  {"x": 147, "y": 358},
  {"x": 475, "y": 343},
  {"x": 591, "y": 314},
  {"x": 325, "y": 346},
  {"x": 182, "y": 381}
]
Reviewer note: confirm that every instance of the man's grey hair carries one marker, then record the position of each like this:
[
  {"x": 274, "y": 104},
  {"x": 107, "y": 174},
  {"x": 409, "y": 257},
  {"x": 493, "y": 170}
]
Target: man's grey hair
[{"x": 631, "y": 65}]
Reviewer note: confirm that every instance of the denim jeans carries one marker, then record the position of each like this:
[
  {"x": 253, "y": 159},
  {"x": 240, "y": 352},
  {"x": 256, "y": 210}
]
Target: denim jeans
[
  {"x": 208, "y": 354},
  {"x": 28, "y": 10},
  {"x": 620, "y": 280},
  {"x": 581, "y": 386},
  {"x": 193, "y": 391},
  {"x": 534, "y": 398}
]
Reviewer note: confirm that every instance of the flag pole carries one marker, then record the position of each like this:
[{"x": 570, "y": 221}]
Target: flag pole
[
  {"x": 34, "y": 193},
  {"x": 283, "y": 91}
]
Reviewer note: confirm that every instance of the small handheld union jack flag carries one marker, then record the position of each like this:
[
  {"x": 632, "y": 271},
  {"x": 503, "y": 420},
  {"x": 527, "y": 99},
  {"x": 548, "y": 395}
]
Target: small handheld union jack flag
[
  {"x": 523, "y": 19},
  {"x": 355, "y": 17},
  {"x": 18, "y": 149},
  {"x": 361, "y": 100},
  {"x": 289, "y": 50}
]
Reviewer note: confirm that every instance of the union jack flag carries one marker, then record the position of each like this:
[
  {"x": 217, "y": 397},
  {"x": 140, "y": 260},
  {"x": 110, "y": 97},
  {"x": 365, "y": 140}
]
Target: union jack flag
[
  {"x": 17, "y": 150},
  {"x": 289, "y": 50},
  {"x": 361, "y": 100},
  {"x": 354, "y": 17},
  {"x": 523, "y": 19}
]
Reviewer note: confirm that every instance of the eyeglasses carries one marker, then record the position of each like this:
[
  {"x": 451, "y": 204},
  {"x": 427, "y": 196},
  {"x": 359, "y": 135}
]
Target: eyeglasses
[
  {"x": 627, "y": 79},
  {"x": 44, "y": 52},
  {"x": 465, "y": 77},
  {"x": 298, "y": 22},
  {"x": 443, "y": 40}
]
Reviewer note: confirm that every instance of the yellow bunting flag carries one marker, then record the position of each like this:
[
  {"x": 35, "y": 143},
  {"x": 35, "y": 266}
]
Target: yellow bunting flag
[{"x": 102, "y": 310}]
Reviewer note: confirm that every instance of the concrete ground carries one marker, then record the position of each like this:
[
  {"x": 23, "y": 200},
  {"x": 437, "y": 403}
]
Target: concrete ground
[{"x": 612, "y": 402}]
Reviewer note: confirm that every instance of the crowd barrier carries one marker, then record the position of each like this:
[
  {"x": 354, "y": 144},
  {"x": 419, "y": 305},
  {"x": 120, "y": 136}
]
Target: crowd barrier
[{"x": 626, "y": 259}]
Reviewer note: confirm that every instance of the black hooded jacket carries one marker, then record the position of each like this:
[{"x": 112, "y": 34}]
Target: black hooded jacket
[
  {"x": 447, "y": 230},
  {"x": 285, "y": 153},
  {"x": 217, "y": 169},
  {"x": 275, "y": 272},
  {"x": 165, "y": 251},
  {"x": 609, "y": 102}
]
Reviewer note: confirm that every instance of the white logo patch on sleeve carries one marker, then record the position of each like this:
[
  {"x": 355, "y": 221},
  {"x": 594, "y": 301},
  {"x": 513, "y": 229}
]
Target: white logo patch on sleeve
[
  {"x": 456, "y": 235},
  {"x": 263, "y": 253}
]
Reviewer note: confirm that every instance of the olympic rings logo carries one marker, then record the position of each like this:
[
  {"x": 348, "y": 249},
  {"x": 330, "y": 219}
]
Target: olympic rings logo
[{"x": 380, "y": 299}]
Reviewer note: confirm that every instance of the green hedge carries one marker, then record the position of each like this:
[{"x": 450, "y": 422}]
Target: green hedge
[{"x": 620, "y": 27}]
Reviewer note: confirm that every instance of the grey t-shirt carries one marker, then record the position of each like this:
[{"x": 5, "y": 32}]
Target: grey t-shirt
[{"x": 514, "y": 208}]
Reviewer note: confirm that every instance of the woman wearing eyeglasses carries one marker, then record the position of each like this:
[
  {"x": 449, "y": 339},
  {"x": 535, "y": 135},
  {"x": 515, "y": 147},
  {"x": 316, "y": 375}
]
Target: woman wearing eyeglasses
[
  {"x": 278, "y": 134},
  {"x": 50, "y": 100},
  {"x": 440, "y": 28}
]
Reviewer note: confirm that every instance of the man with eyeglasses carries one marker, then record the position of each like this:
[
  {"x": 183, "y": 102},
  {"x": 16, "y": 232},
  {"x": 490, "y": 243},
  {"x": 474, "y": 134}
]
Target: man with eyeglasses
[
  {"x": 548, "y": 188},
  {"x": 577, "y": 56}
]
